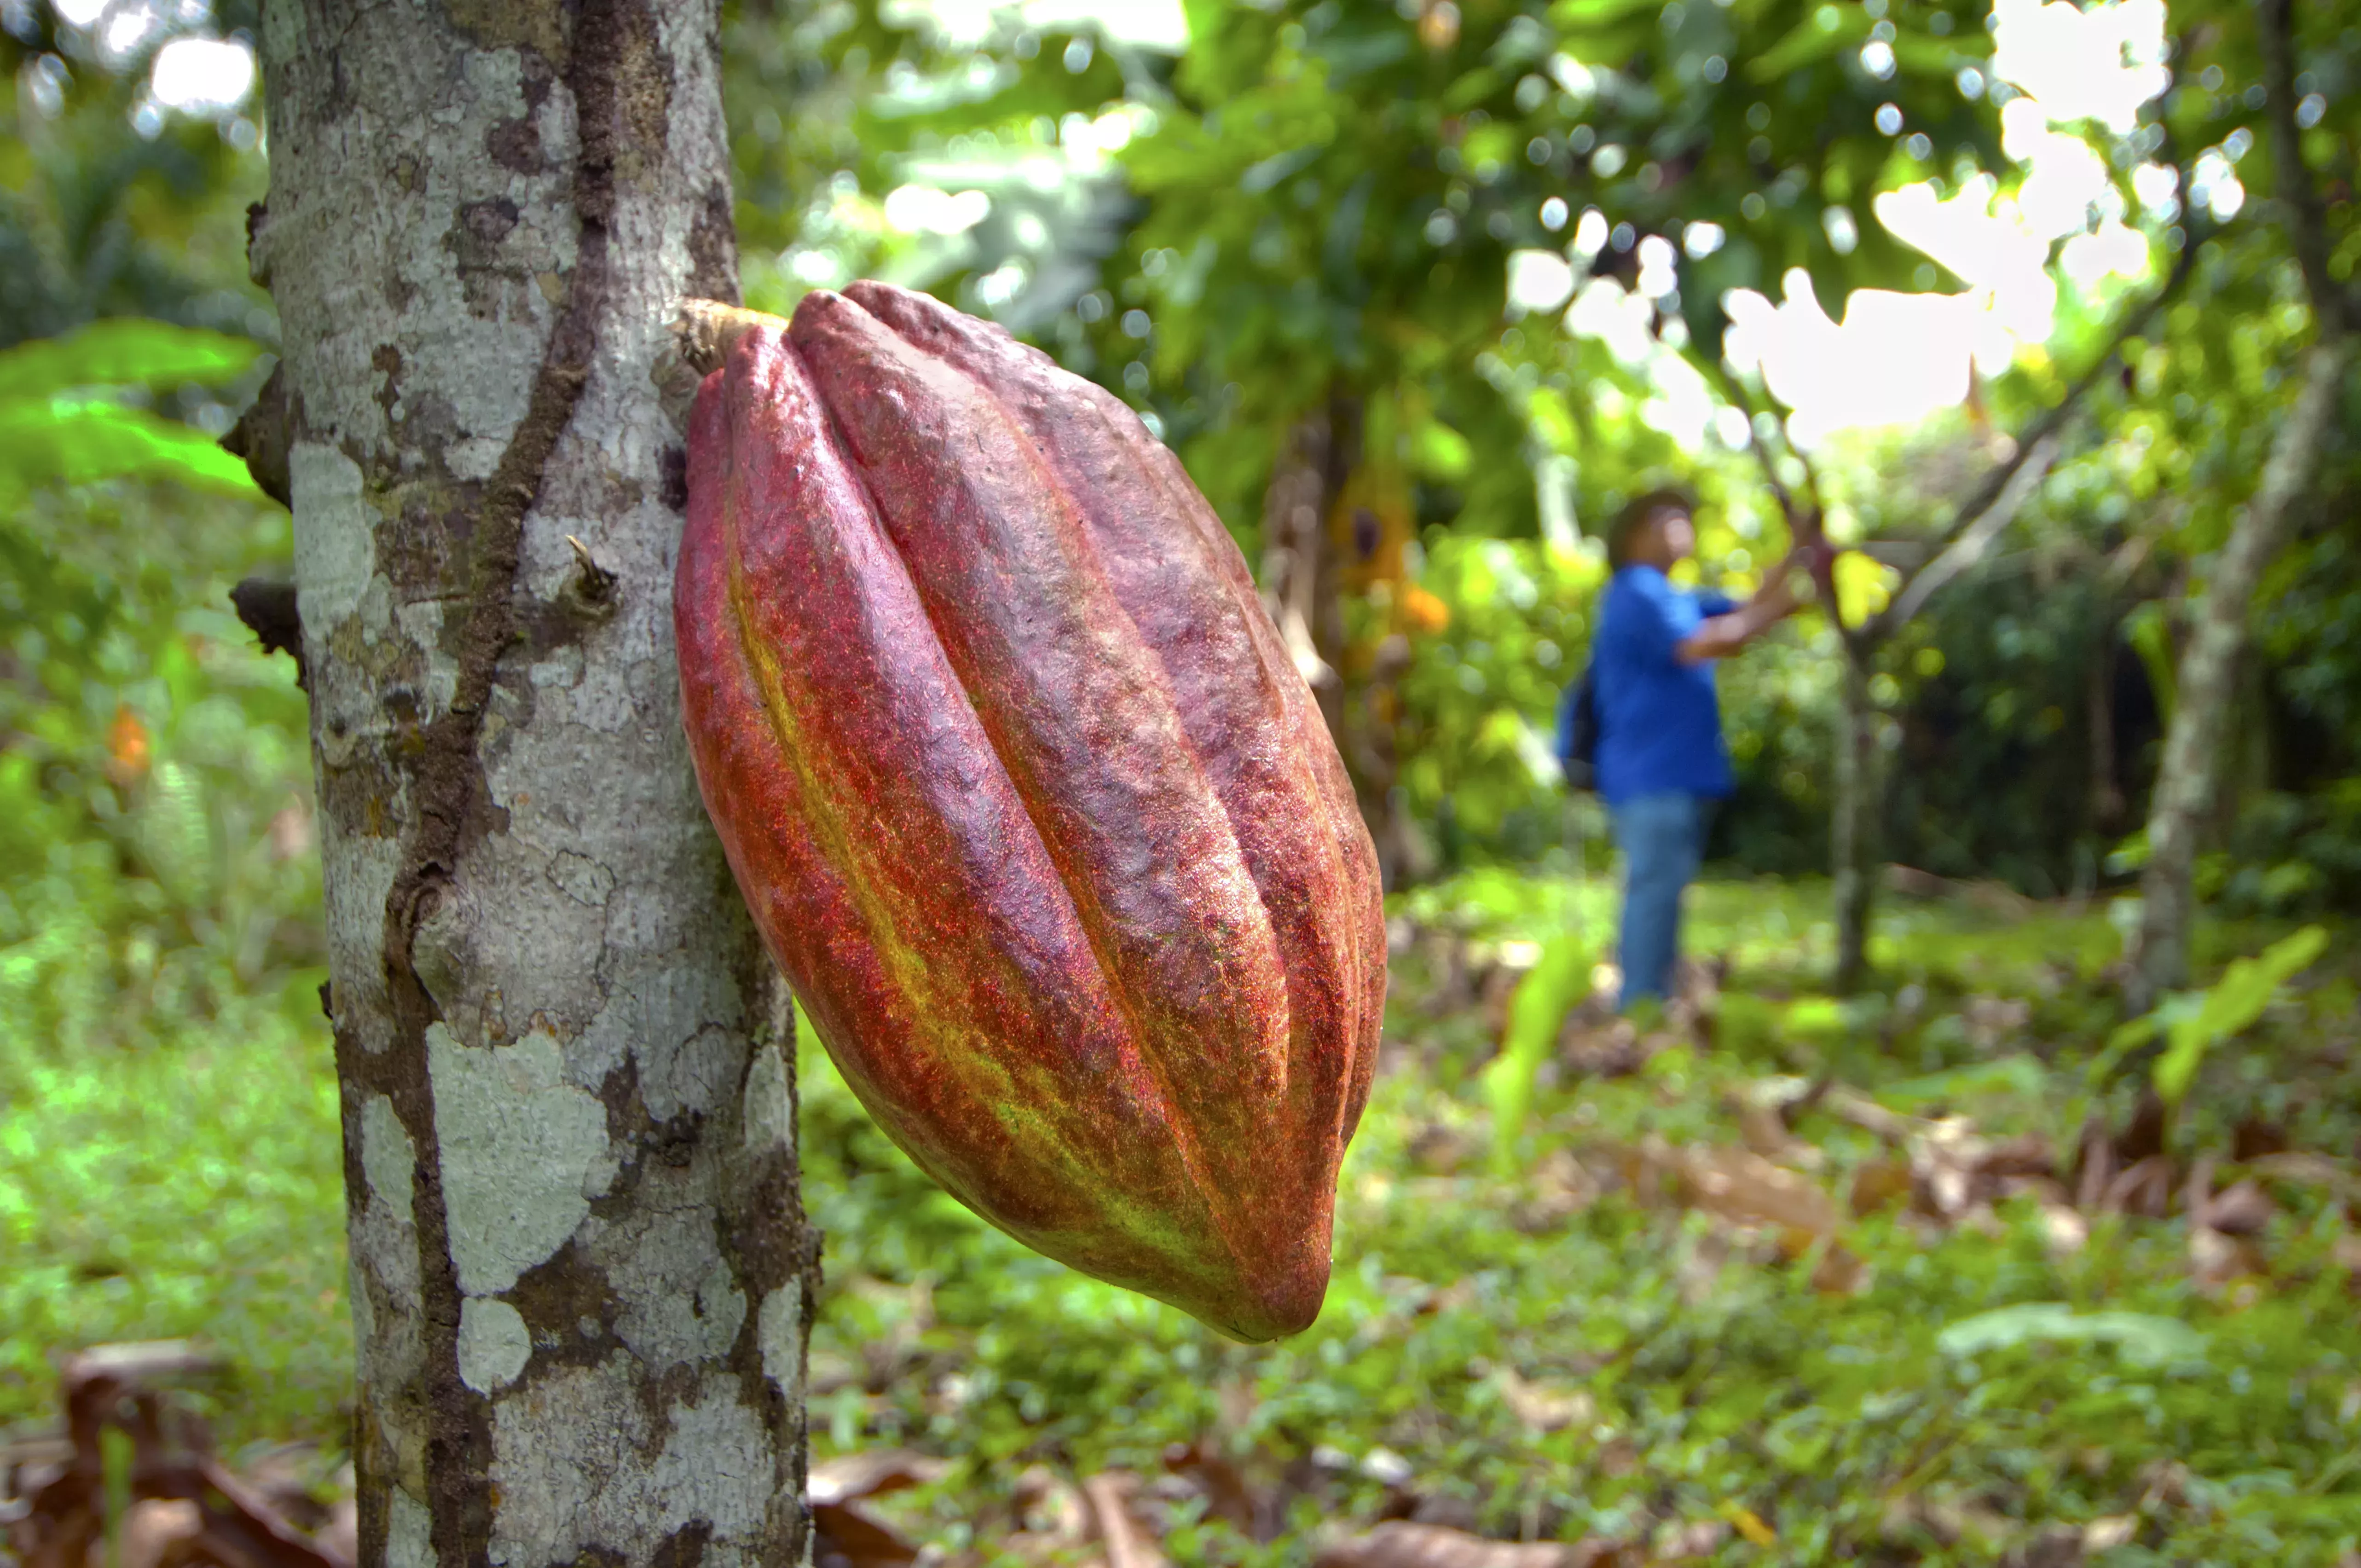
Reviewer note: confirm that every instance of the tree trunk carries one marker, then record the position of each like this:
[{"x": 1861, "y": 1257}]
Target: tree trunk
[
  {"x": 1301, "y": 575},
  {"x": 1303, "y": 590},
  {"x": 1855, "y": 838},
  {"x": 2194, "y": 743},
  {"x": 580, "y": 1276}
]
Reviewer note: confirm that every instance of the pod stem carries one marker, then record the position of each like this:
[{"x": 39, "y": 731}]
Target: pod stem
[{"x": 707, "y": 330}]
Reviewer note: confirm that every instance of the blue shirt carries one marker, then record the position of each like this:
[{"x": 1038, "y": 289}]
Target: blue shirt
[{"x": 1659, "y": 720}]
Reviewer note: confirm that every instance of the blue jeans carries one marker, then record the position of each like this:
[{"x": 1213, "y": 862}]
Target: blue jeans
[{"x": 1663, "y": 840}]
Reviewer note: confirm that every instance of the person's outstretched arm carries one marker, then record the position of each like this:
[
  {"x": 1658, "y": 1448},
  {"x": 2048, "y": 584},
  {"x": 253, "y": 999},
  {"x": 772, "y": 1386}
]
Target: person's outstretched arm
[{"x": 1725, "y": 634}]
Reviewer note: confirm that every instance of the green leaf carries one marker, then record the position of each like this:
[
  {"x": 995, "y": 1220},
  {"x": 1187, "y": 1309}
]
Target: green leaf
[
  {"x": 1574, "y": 16},
  {"x": 1262, "y": 176},
  {"x": 1440, "y": 452},
  {"x": 1923, "y": 56},
  {"x": 1828, "y": 29},
  {"x": 1558, "y": 979},
  {"x": 2019, "y": 1075},
  {"x": 125, "y": 352},
  {"x": 2146, "y": 630},
  {"x": 2126, "y": 1039},
  {"x": 2231, "y": 1006},
  {"x": 1471, "y": 89},
  {"x": 2140, "y": 1336},
  {"x": 84, "y": 441}
]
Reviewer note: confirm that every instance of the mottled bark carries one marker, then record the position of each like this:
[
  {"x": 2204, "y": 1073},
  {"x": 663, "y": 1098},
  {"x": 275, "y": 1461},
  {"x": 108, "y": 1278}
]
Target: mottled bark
[
  {"x": 1856, "y": 845},
  {"x": 2196, "y": 744},
  {"x": 580, "y": 1276}
]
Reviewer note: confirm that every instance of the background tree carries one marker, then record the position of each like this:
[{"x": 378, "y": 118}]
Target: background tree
[
  {"x": 580, "y": 1280},
  {"x": 2197, "y": 742}
]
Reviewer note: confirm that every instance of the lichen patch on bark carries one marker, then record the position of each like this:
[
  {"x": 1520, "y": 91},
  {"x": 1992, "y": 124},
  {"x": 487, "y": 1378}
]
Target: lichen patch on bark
[
  {"x": 523, "y": 1154},
  {"x": 494, "y": 1344}
]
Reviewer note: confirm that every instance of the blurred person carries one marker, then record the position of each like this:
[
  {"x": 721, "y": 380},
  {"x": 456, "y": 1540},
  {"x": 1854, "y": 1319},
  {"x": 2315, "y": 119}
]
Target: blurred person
[{"x": 1661, "y": 763}]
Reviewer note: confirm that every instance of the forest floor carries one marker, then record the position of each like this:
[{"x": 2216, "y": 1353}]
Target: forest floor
[{"x": 1781, "y": 1278}]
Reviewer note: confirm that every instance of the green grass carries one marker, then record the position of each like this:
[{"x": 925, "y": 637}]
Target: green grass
[
  {"x": 189, "y": 1185},
  {"x": 1717, "y": 1376},
  {"x": 191, "y": 1189}
]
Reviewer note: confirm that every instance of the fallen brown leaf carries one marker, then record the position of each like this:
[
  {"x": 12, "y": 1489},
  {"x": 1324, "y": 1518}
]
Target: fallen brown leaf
[
  {"x": 1841, "y": 1271},
  {"x": 1949, "y": 1522},
  {"x": 1692, "y": 1542},
  {"x": 1879, "y": 1183},
  {"x": 1447, "y": 1509},
  {"x": 1126, "y": 1544},
  {"x": 159, "y": 1526},
  {"x": 2094, "y": 1164},
  {"x": 1955, "y": 1168},
  {"x": 1051, "y": 1515},
  {"x": 61, "y": 1506},
  {"x": 1851, "y": 1105},
  {"x": 1402, "y": 1545},
  {"x": 2242, "y": 1209},
  {"x": 847, "y": 1535},
  {"x": 2333, "y": 1176},
  {"x": 340, "y": 1537},
  {"x": 2254, "y": 1138},
  {"x": 1228, "y": 1496},
  {"x": 1764, "y": 1133},
  {"x": 1738, "y": 1185},
  {"x": 1544, "y": 1407},
  {"x": 851, "y": 1477},
  {"x": 2142, "y": 1188},
  {"x": 2143, "y": 1137}
]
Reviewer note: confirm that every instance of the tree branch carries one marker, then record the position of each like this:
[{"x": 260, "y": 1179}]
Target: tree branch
[
  {"x": 1969, "y": 547},
  {"x": 267, "y": 606},
  {"x": 1806, "y": 524},
  {"x": 2053, "y": 419},
  {"x": 260, "y": 437},
  {"x": 2307, "y": 218},
  {"x": 1733, "y": 392}
]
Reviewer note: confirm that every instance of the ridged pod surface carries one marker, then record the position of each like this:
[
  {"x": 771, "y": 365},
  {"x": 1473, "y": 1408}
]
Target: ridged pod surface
[{"x": 1028, "y": 801}]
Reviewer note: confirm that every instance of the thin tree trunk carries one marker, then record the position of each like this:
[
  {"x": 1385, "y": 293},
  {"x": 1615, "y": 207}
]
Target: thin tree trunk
[
  {"x": 580, "y": 1276},
  {"x": 1303, "y": 590},
  {"x": 1301, "y": 575},
  {"x": 1856, "y": 850},
  {"x": 2194, "y": 746}
]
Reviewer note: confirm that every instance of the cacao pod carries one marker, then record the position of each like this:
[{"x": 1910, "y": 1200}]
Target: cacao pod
[{"x": 1028, "y": 801}]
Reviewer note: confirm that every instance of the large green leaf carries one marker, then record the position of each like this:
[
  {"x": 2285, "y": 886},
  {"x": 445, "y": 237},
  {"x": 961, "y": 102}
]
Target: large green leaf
[
  {"x": 2232, "y": 1004},
  {"x": 128, "y": 351},
  {"x": 1557, "y": 981},
  {"x": 84, "y": 441},
  {"x": 2140, "y": 1336}
]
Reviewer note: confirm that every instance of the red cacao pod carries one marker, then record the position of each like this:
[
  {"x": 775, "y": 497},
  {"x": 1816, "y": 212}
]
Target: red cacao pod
[{"x": 1028, "y": 801}]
